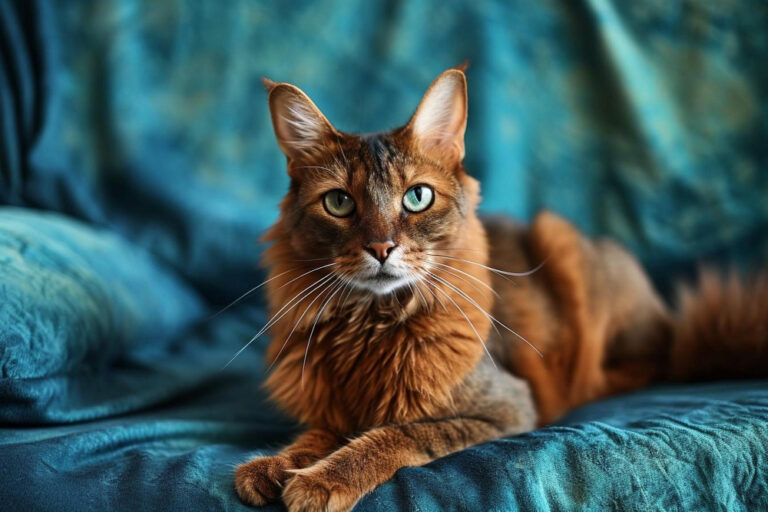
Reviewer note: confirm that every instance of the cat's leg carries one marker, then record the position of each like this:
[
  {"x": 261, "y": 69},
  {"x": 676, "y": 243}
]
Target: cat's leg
[
  {"x": 490, "y": 411},
  {"x": 261, "y": 480}
]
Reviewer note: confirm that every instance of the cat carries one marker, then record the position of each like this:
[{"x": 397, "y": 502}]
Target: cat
[{"x": 397, "y": 339}]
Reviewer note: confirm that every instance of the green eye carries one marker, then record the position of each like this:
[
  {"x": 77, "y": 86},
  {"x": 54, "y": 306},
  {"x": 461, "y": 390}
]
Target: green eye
[
  {"x": 338, "y": 203},
  {"x": 418, "y": 198}
]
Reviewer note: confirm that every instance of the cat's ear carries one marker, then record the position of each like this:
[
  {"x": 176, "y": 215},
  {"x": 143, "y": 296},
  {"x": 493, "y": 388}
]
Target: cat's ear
[
  {"x": 302, "y": 131},
  {"x": 440, "y": 121}
]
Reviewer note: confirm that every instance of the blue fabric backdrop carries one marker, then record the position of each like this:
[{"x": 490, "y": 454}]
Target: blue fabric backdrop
[{"x": 138, "y": 167}]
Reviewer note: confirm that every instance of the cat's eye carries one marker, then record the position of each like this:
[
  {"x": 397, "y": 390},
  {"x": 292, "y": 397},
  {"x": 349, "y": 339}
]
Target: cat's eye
[
  {"x": 338, "y": 203},
  {"x": 418, "y": 198}
]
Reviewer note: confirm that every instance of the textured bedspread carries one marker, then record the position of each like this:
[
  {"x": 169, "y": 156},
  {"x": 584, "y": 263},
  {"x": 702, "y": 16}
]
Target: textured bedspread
[{"x": 138, "y": 168}]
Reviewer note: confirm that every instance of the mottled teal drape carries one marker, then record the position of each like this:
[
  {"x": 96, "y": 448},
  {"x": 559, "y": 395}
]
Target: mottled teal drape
[{"x": 138, "y": 169}]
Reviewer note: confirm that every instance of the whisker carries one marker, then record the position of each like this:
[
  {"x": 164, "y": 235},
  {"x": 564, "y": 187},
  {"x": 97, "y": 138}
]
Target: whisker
[
  {"x": 312, "y": 331},
  {"x": 495, "y": 270},
  {"x": 410, "y": 287},
  {"x": 423, "y": 298},
  {"x": 459, "y": 249},
  {"x": 394, "y": 296},
  {"x": 490, "y": 316},
  {"x": 413, "y": 293},
  {"x": 295, "y": 325},
  {"x": 437, "y": 298},
  {"x": 306, "y": 291},
  {"x": 307, "y": 273},
  {"x": 418, "y": 280},
  {"x": 275, "y": 318},
  {"x": 451, "y": 270},
  {"x": 465, "y": 318},
  {"x": 247, "y": 294},
  {"x": 456, "y": 288},
  {"x": 349, "y": 289}
]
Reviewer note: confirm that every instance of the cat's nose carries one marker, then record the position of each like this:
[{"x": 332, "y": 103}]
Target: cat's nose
[{"x": 380, "y": 250}]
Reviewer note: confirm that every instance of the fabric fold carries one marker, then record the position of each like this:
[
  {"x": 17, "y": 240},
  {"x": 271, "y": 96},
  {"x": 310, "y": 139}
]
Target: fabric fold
[{"x": 73, "y": 295}]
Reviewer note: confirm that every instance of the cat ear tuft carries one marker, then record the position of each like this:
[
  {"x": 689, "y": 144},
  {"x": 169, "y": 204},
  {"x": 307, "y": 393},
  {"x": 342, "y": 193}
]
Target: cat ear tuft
[
  {"x": 268, "y": 84},
  {"x": 440, "y": 121},
  {"x": 463, "y": 66},
  {"x": 302, "y": 131}
]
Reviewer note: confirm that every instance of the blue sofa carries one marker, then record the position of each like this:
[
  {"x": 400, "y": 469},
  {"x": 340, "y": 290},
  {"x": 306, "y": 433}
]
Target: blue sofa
[{"x": 138, "y": 169}]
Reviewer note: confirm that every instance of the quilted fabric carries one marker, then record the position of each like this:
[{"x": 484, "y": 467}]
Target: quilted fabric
[{"x": 138, "y": 170}]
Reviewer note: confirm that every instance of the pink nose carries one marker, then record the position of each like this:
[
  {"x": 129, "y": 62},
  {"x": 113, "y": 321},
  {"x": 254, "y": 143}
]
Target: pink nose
[{"x": 380, "y": 250}]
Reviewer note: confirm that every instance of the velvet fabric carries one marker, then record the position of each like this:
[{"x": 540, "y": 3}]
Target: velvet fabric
[{"x": 138, "y": 169}]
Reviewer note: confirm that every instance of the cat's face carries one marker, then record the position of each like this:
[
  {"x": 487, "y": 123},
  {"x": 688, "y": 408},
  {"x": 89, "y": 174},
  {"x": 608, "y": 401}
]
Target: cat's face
[{"x": 375, "y": 205}]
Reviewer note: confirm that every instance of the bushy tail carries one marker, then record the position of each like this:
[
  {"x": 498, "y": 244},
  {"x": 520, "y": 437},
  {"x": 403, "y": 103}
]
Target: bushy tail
[{"x": 721, "y": 329}]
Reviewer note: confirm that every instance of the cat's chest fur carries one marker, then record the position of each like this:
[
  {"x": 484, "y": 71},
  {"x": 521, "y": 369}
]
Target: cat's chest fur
[{"x": 364, "y": 367}]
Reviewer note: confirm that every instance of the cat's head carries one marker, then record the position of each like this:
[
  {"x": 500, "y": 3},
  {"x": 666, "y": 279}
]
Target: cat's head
[{"x": 373, "y": 207}]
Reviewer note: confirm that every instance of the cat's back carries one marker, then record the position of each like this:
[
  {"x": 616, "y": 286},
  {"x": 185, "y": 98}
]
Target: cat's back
[{"x": 588, "y": 309}]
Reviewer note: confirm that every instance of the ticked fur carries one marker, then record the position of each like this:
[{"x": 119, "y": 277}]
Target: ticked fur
[{"x": 392, "y": 363}]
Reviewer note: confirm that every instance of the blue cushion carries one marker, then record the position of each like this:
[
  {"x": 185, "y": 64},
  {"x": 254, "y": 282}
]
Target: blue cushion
[{"x": 75, "y": 296}]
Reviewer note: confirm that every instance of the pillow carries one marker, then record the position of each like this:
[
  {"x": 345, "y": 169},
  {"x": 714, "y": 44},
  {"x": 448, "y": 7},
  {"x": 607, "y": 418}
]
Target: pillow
[{"x": 72, "y": 295}]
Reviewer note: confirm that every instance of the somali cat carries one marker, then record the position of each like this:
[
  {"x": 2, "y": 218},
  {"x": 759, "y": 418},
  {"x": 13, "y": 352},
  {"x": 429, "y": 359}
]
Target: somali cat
[{"x": 397, "y": 339}]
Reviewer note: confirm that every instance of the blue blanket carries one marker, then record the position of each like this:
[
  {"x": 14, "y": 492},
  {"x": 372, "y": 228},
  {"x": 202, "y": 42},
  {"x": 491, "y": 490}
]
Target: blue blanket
[{"x": 138, "y": 169}]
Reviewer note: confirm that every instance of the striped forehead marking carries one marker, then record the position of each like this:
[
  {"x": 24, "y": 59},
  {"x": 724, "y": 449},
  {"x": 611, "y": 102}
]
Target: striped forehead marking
[{"x": 379, "y": 159}]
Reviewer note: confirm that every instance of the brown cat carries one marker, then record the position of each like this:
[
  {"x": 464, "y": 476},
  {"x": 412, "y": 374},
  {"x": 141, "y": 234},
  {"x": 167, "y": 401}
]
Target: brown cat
[{"x": 382, "y": 291}]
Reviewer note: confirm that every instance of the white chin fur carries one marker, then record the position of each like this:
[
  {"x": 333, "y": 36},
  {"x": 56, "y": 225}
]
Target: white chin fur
[{"x": 382, "y": 287}]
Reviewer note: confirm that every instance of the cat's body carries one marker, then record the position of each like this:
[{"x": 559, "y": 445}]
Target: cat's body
[
  {"x": 383, "y": 296},
  {"x": 370, "y": 353},
  {"x": 590, "y": 310}
]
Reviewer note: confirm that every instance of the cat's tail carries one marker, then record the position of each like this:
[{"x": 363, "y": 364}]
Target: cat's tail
[{"x": 721, "y": 329}]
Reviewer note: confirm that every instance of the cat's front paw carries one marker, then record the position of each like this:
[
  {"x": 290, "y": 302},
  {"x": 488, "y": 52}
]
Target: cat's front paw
[
  {"x": 260, "y": 481},
  {"x": 309, "y": 491}
]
